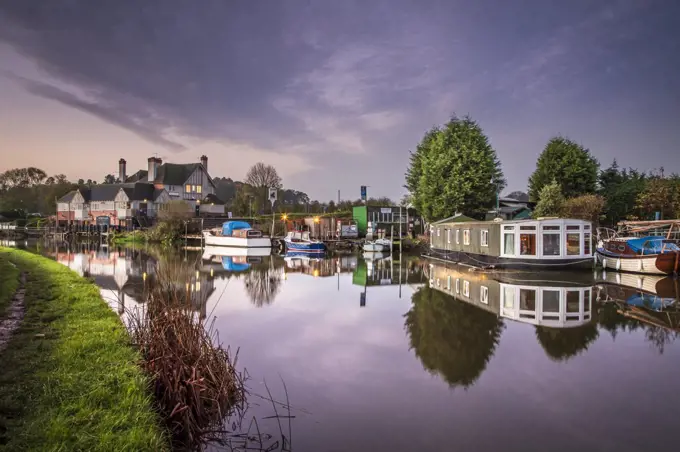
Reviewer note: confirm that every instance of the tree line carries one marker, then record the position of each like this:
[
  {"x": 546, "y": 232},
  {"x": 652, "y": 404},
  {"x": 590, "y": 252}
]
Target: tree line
[{"x": 454, "y": 169}]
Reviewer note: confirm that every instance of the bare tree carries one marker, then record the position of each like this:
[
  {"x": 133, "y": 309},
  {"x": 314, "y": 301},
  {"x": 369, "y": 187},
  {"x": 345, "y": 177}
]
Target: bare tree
[{"x": 261, "y": 175}]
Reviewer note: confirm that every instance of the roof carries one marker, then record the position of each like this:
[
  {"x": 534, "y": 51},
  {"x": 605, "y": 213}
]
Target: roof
[
  {"x": 68, "y": 197},
  {"x": 139, "y": 176},
  {"x": 102, "y": 192},
  {"x": 457, "y": 218},
  {"x": 139, "y": 191},
  {"x": 212, "y": 199},
  {"x": 177, "y": 174}
]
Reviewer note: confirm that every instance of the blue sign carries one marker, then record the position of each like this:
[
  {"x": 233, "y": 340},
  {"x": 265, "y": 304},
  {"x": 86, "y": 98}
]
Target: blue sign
[{"x": 363, "y": 193}]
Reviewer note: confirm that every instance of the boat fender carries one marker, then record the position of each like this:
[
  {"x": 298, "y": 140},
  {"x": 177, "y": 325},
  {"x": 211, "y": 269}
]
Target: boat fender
[
  {"x": 604, "y": 263},
  {"x": 618, "y": 278},
  {"x": 640, "y": 265}
]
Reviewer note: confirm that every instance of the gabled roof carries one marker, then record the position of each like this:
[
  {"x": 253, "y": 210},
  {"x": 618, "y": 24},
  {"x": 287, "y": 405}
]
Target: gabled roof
[
  {"x": 139, "y": 176},
  {"x": 457, "y": 218},
  {"x": 139, "y": 191},
  {"x": 103, "y": 192},
  {"x": 68, "y": 197},
  {"x": 177, "y": 174}
]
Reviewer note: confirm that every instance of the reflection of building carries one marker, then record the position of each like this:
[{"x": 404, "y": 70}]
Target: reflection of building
[
  {"x": 320, "y": 267},
  {"x": 556, "y": 304},
  {"x": 385, "y": 271}
]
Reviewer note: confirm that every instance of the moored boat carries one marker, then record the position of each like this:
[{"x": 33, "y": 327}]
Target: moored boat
[
  {"x": 378, "y": 245},
  {"x": 651, "y": 255},
  {"x": 237, "y": 234},
  {"x": 544, "y": 243},
  {"x": 300, "y": 242}
]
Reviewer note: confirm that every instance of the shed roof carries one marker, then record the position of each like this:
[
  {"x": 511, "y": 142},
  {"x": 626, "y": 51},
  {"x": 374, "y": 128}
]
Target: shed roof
[{"x": 457, "y": 218}]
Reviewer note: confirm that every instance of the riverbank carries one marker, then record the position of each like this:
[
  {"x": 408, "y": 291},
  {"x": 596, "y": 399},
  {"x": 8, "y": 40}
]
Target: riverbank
[{"x": 69, "y": 379}]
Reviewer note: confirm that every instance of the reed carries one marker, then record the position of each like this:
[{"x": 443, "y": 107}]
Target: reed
[{"x": 195, "y": 380}]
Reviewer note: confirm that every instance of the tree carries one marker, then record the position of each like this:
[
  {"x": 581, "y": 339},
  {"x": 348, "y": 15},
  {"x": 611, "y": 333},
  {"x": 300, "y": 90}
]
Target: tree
[
  {"x": 659, "y": 195},
  {"x": 586, "y": 207},
  {"x": 519, "y": 196},
  {"x": 568, "y": 163},
  {"x": 561, "y": 344},
  {"x": 620, "y": 188},
  {"x": 456, "y": 171},
  {"x": 109, "y": 179},
  {"x": 550, "y": 201},
  {"x": 415, "y": 169},
  {"x": 260, "y": 175}
]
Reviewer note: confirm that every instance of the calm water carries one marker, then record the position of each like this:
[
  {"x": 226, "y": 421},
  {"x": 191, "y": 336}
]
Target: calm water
[{"x": 447, "y": 360}]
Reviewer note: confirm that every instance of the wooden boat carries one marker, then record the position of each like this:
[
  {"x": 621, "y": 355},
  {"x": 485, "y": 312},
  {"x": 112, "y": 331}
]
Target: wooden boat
[
  {"x": 544, "y": 243},
  {"x": 651, "y": 255},
  {"x": 236, "y": 234},
  {"x": 300, "y": 242}
]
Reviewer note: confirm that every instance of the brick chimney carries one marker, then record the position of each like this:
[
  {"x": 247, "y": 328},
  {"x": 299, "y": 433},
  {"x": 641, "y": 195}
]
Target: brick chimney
[
  {"x": 204, "y": 162},
  {"x": 121, "y": 170},
  {"x": 154, "y": 163}
]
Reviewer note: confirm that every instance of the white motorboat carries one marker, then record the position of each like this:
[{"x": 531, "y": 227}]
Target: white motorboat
[
  {"x": 379, "y": 245},
  {"x": 238, "y": 234},
  {"x": 232, "y": 251}
]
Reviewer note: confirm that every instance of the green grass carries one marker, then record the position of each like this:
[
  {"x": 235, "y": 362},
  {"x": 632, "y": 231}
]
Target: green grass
[
  {"x": 129, "y": 237},
  {"x": 78, "y": 387},
  {"x": 9, "y": 281}
]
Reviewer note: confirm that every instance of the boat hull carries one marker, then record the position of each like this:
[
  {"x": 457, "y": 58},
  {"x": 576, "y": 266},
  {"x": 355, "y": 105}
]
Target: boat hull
[
  {"x": 220, "y": 251},
  {"x": 236, "y": 242},
  {"x": 483, "y": 260},
  {"x": 311, "y": 248},
  {"x": 375, "y": 247},
  {"x": 656, "y": 264}
]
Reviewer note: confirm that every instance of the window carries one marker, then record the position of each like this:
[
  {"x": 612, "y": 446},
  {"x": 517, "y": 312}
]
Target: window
[
  {"x": 586, "y": 243},
  {"x": 551, "y": 228},
  {"x": 508, "y": 228},
  {"x": 527, "y": 228},
  {"x": 509, "y": 297},
  {"x": 527, "y": 244},
  {"x": 573, "y": 301},
  {"x": 448, "y": 283},
  {"x": 573, "y": 227},
  {"x": 188, "y": 188},
  {"x": 466, "y": 237},
  {"x": 484, "y": 294},
  {"x": 551, "y": 301},
  {"x": 551, "y": 244},
  {"x": 457, "y": 236},
  {"x": 448, "y": 236},
  {"x": 484, "y": 238},
  {"x": 439, "y": 232},
  {"x": 527, "y": 299},
  {"x": 573, "y": 244},
  {"x": 466, "y": 288},
  {"x": 509, "y": 244},
  {"x": 199, "y": 189},
  {"x": 457, "y": 285}
]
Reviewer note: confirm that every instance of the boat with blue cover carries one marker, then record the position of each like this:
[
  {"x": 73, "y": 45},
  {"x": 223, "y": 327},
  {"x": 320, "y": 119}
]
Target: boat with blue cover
[
  {"x": 237, "y": 234},
  {"x": 301, "y": 242},
  {"x": 650, "y": 254}
]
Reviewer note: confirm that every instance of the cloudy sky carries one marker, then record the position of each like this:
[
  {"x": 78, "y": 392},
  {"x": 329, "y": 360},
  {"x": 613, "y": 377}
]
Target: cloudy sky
[{"x": 334, "y": 94}]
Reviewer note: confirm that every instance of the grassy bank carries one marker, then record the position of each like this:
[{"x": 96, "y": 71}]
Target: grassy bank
[
  {"x": 69, "y": 379},
  {"x": 9, "y": 281}
]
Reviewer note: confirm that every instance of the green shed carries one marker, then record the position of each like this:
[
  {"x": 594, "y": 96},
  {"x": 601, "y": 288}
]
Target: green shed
[{"x": 381, "y": 217}]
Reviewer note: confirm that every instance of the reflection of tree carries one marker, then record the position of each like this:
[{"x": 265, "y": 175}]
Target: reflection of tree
[
  {"x": 262, "y": 284},
  {"x": 451, "y": 338},
  {"x": 660, "y": 337},
  {"x": 561, "y": 344}
]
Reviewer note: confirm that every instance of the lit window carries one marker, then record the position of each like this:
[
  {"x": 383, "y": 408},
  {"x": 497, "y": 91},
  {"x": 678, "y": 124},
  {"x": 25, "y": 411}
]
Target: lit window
[
  {"x": 466, "y": 288},
  {"x": 485, "y": 238},
  {"x": 484, "y": 294},
  {"x": 466, "y": 237},
  {"x": 573, "y": 244},
  {"x": 199, "y": 189},
  {"x": 188, "y": 188},
  {"x": 439, "y": 232},
  {"x": 457, "y": 285},
  {"x": 457, "y": 236},
  {"x": 448, "y": 236},
  {"x": 448, "y": 283},
  {"x": 586, "y": 243},
  {"x": 527, "y": 243}
]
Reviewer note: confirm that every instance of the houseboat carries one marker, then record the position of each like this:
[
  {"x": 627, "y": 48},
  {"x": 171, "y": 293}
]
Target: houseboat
[
  {"x": 236, "y": 234},
  {"x": 544, "y": 243}
]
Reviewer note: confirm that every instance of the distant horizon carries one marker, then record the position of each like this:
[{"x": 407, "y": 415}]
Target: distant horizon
[{"x": 333, "y": 95}]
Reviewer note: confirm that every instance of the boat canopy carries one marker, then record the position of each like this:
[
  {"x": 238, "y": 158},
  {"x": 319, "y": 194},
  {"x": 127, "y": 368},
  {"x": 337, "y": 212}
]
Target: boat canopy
[
  {"x": 651, "y": 245},
  {"x": 229, "y": 265},
  {"x": 230, "y": 226}
]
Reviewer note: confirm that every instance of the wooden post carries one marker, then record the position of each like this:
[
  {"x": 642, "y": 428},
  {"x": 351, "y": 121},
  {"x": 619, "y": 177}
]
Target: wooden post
[{"x": 401, "y": 238}]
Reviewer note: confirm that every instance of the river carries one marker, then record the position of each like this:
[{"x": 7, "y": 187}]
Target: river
[{"x": 389, "y": 354}]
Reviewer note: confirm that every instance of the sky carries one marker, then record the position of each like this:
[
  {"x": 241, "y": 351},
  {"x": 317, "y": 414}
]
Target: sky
[{"x": 334, "y": 94}]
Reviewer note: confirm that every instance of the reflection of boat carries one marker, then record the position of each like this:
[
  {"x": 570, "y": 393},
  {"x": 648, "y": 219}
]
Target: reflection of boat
[
  {"x": 210, "y": 251},
  {"x": 374, "y": 255},
  {"x": 236, "y": 234},
  {"x": 649, "y": 291},
  {"x": 300, "y": 241},
  {"x": 234, "y": 264},
  {"x": 651, "y": 255},
  {"x": 539, "y": 301},
  {"x": 378, "y": 245}
]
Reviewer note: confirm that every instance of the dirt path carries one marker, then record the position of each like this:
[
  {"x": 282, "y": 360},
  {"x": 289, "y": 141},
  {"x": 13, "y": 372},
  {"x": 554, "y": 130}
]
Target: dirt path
[{"x": 15, "y": 314}]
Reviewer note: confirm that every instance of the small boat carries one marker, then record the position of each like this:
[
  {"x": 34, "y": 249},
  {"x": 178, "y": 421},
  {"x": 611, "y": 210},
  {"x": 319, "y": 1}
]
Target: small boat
[
  {"x": 300, "y": 242},
  {"x": 652, "y": 255},
  {"x": 219, "y": 251},
  {"x": 379, "y": 245},
  {"x": 237, "y": 234}
]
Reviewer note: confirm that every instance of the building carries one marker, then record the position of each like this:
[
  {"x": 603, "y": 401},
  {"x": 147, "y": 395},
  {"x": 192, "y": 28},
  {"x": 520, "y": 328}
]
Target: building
[
  {"x": 140, "y": 196},
  {"x": 511, "y": 209},
  {"x": 369, "y": 219}
]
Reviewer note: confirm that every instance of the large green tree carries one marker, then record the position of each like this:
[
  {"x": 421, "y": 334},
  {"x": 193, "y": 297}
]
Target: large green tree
[
  {"x": 620, "y": 189},
  {"x": 550, "y": 201},
  {"x": 568, "y": 163},
  {"x": 454, "y": 169}
]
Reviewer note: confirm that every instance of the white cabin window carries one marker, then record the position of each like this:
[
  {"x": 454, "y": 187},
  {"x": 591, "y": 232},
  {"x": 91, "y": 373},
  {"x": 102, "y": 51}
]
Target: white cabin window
[
  {"x": 508, "y": 297},
  {"x": 484, "y": 237},
  {"x": 586, "y": 243},
  {"x": 448, "y": 283},
  {"x": 457, "y": 285},
  {"x": 466, "y": 288},
  {"x": 457, "y": 236},
  {"x": 439, "y": 232},
  {"x": 484, "y": 294},
  {"x": 509, "y": 243},
  {"x": 573, "y": 243},
  {"x": 551, "y": 303},
  {"x": 448, "y": 236},
  {"x": 466, "y": 237},
  {"x": 551, "y": 243},
  {"x": 527, "y": 243}
]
